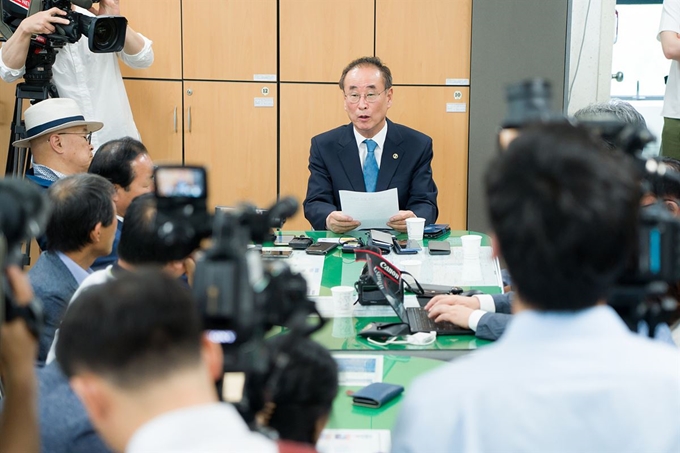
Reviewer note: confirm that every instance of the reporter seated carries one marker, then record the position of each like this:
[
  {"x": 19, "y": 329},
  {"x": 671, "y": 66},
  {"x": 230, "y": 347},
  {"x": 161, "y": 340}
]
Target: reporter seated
[
  {"x": 303, "y": 393},
  {"x": 81, "y": 228},
  {"x": 146, "y": 372},
  {"x": 126, "y": 164},
  {"x": 139, "y": 247}
]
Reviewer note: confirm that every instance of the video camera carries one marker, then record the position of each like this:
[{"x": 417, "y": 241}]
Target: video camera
[
  {"x": 105, "y": 34},
  {"x": 656, "y": 262},
  {"x": 240, "y": 296},
  {"x": 23, "y": 216}
]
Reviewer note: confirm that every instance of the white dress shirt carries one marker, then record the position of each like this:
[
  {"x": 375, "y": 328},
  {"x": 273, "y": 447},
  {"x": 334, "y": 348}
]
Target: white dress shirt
[
  {"x": 378, "y": 138},
  {"x": 670, "y": 21},
  {"x": 216, "y": 427},
  {"x": 554, "y": 382},
  {"x": 94, "y": 81}
]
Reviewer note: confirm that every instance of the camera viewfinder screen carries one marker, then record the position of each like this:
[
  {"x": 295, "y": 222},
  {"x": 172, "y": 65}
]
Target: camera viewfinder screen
[{"x": 186, "y": 182}]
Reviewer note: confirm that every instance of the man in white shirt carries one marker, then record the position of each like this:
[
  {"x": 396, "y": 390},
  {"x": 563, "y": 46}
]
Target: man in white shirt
[
  {"x": 567, "y": 374},
  {"x": 669, "y": 35},
  {"x": 93, "y": 80},
  {"x": 146, "y": 372}
]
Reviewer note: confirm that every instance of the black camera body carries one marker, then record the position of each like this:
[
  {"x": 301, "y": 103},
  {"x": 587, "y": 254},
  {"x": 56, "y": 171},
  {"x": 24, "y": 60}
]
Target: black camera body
[
  {"x": 104, "y": 33},
  {"x": 24, "y": 213},
  {"x": 657, "y": 258},
  {"x": 239, "y": 296}
]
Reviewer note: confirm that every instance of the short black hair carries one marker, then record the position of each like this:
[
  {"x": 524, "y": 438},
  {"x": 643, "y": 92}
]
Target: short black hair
[
  {"x": 79, "y": 202},
  {"x": 667, "y": 187},
  {"x": 304, "y": 391},
  {"x": 564, "y": 210},
  {"x": 131, "y": 330},
  {"x": 368, "y": 61},
  {"x": 113, "y": 160},
  {"x": 140, "y": 243}
]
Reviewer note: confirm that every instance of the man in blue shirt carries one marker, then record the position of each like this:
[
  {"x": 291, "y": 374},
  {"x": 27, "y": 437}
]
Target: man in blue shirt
[{"x": 567, "y": 375}]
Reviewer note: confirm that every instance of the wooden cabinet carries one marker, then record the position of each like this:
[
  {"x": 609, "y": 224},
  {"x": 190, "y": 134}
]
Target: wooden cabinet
[
  {"x": 7, "y": 98},
  {"x": 425, "y": 42},
  {"x": 234, "y": 139},
  {"x": 229, "y": 39},
  {"x": 157, "y": 109},
  {"x": 160, "y": 21},
  {"x": 319, "y": 38},
  {"x": 425, "y": 109},
  {"x": 214, "y": 49},
  {"x": 297, "y": 128}
]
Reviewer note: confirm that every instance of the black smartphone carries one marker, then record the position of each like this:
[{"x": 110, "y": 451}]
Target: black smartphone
[
  {"x": 321, "y": 248},
  {"x": 439, "y": 248},
  {"x": 300, "y": 242},
  {"x": 406, "y": 247}
]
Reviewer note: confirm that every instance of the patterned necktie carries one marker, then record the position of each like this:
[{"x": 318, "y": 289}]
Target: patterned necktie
[{"x": 370, "y": 166}]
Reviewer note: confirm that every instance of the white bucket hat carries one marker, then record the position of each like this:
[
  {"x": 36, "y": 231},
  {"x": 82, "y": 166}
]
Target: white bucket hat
[{"x": 52, "y": 115}]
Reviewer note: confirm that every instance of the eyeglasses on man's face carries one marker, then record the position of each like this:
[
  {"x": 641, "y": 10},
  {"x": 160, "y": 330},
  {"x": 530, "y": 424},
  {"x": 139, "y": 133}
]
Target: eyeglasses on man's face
[
  {"x": 370, "y": 97},
  {"x": 87, "y": 136}
]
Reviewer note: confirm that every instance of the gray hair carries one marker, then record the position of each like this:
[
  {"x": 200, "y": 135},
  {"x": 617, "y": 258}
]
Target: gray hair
[{"x": 614, "y": 109}]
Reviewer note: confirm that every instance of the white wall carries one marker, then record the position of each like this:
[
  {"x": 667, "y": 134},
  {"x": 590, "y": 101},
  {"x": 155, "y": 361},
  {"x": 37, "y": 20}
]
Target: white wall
[{"x": 590, "y": 53}]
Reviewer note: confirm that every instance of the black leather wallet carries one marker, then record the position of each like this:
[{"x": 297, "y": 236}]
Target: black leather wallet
[{"x": 376, "y": 394}]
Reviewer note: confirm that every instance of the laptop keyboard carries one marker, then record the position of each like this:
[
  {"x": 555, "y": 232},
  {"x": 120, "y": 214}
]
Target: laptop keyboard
[{"x": 420, "y": 322}]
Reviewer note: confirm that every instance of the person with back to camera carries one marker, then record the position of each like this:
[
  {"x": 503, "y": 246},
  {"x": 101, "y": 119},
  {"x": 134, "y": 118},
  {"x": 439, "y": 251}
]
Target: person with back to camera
[
  {"x": 574, "y": 378},
  {"x": 303, "y": 394},
  {"x": 146, "y": 373},
  {"x": 93, "y": 80},
  {"x": 371, "y": 154},
  {"x": 489, "y": 315}
]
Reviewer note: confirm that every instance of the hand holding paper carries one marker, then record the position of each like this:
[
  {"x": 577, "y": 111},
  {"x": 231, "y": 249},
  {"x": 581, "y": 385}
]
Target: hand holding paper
[{"x": 372, "y": 209}]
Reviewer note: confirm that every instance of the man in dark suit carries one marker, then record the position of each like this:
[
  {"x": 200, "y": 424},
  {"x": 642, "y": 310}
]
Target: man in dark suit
[
  {"x": 126, "y": 163},
  {"x": 371, "y": 154},
  {"x": 81, "y": 229}
]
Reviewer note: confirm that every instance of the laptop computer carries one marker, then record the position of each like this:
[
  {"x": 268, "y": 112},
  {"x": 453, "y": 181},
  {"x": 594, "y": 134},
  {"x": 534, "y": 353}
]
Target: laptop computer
[{"x": 388, "y": 279}]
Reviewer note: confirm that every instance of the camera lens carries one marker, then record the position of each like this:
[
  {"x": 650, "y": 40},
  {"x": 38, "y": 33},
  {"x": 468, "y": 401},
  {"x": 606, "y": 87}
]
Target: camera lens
[{"x": 104, "y": 34}]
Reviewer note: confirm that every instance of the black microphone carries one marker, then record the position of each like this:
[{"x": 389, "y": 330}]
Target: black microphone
[{"x": 285, "y": 208}]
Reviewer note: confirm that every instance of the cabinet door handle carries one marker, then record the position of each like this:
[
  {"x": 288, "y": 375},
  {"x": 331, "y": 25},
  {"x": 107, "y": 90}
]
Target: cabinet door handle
[
  {"x": 189, "y": 119},
  {"x": 174, "y": 119}
]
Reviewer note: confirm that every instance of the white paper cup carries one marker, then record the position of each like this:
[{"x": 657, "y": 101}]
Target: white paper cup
[
  {"x": 412, "y": 267},
  {"x": 471, "y": 245},
  {"x": 343, "y": 327},
  {"x": 414, "y": 228},
  {"x": 343, "y": 299}
]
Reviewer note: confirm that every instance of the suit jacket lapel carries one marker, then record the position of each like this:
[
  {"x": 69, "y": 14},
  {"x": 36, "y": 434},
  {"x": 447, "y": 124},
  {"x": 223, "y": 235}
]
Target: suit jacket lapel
[
  {"x": 388, "y": 163},
  {"x": 348, "y": 155}
]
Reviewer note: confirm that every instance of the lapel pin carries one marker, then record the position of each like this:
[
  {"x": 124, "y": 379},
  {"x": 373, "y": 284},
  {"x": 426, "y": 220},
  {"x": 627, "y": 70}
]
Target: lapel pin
[{"x": 395, "y": 156}]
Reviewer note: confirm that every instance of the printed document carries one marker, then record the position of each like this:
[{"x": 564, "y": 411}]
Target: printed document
[{"x": 372, "y": 209}]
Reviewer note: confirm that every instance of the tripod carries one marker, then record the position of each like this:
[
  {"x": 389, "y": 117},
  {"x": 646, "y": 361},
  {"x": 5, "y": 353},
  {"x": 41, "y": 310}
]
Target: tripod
[{"x": 18, "y": 159}]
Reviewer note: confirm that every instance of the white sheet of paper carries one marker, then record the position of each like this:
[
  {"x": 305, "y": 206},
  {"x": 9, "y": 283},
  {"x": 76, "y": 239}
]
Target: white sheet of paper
[
  {"x": 354, "y": 441},
  {"x": 372, "y": 209}
]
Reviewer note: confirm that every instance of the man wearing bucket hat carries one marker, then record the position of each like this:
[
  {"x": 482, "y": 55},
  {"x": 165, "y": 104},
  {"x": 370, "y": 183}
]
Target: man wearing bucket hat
[{"x": 59, "y": 138}]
